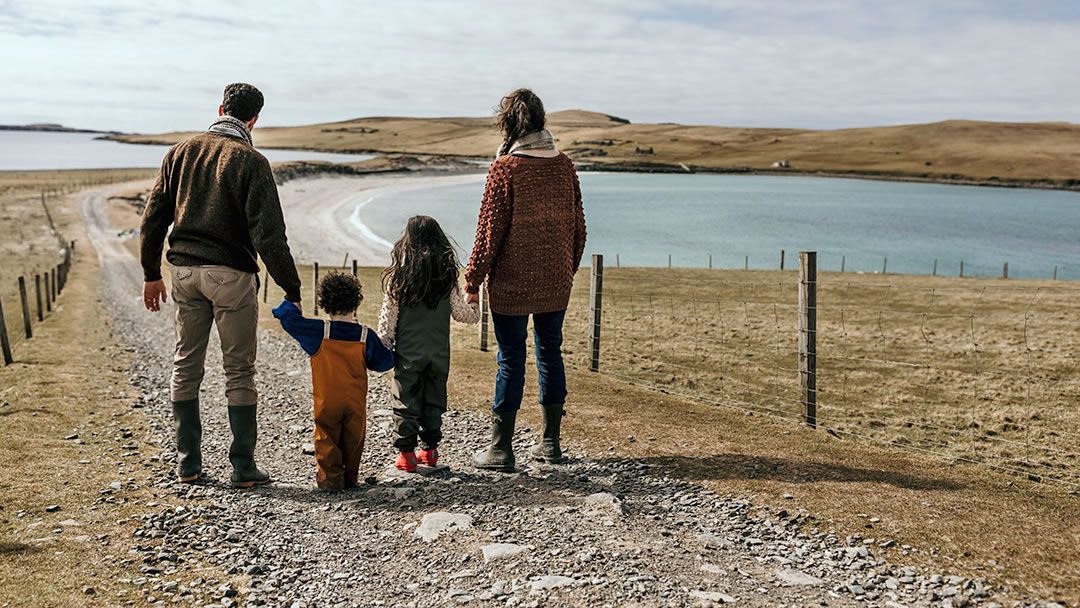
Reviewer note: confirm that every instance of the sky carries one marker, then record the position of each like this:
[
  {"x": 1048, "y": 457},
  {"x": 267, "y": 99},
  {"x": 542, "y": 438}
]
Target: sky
[{"x": 148, "y": 66}]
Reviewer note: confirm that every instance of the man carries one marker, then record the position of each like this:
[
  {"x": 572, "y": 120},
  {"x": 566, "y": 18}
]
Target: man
[{"x": 220, "y": 197}]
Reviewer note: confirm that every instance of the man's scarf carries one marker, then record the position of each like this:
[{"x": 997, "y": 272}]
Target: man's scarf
[
  {"x": 537, "y": 140},
  {"x": 233, "y": 127}
]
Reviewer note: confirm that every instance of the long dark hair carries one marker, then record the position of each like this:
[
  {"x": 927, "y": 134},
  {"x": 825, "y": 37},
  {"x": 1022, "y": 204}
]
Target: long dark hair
[
  {"x": 519, "y": 113},
  {"x": 423, "y": 265}
]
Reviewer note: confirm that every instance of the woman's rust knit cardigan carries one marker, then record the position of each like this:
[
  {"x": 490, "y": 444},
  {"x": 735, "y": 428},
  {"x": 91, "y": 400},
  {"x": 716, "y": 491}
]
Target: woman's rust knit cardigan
[{"x": 530, "y": 236}]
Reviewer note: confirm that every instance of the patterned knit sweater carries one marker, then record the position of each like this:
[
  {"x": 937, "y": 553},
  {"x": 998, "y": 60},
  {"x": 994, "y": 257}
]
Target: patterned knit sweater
[{"x": 530, "y": 236}]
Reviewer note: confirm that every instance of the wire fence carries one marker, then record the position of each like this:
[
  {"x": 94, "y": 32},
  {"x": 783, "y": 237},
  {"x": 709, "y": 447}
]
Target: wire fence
[
  {"x": 41, "y": 278},
  {"x": 983, "y": 371}
]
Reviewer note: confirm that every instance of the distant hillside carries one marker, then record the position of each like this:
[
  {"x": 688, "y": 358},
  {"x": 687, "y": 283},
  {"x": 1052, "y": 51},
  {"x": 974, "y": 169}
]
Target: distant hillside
[
  {"x": 51, "y": 127},
  {"x": 1028, "y": 154}
]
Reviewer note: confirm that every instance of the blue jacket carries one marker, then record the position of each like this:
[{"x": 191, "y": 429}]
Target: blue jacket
[{"x": 309, "y": 333}]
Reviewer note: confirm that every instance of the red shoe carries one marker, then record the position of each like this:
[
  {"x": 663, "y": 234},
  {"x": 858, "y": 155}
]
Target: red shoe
[
  {"x": 428, "y": 457},
  {"x": 406, "y": 461}
]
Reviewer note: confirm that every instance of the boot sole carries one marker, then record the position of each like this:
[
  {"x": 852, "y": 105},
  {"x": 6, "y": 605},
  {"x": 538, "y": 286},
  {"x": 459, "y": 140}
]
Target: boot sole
[
  {"x": 559, "y": 460},
  {"x": 249, "y": 484},
  {"x": 188, "y": 478}
]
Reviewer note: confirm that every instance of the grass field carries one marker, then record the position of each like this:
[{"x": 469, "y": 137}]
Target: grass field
[
  {"x": 70, "y": 379},
  {"x": 955, "y": 150}
]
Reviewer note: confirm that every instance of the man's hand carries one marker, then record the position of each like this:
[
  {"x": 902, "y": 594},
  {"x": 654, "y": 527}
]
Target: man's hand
[
  {"x": 472, "y": 299},
  {"x": 154, "y": 294}
]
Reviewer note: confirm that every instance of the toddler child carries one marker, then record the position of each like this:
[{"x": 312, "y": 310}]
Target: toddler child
[
  {"x": 421, "y": 293},
  {"x": 341, "y": 352}
]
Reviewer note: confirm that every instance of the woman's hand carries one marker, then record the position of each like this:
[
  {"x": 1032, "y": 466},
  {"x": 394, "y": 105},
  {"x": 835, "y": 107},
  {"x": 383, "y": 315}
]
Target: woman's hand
[{"x": 472, "y": 299}]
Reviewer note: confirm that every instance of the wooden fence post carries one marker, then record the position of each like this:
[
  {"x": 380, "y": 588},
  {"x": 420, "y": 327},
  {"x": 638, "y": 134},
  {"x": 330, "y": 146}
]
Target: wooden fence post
[
  {"x": 266, "y": 285},
  {"x": 669, "y": 260},
  {"x": 483, "y": 317},
  {"x": 746, "y": 262},
  {"x": 961, "y": 269},
  {"x": 355, "y": 270},
  {"x": 52, "y": 271},
  {"x": 1005, "y": 271},
  {"x": 596, "y": 296},
  {"x": 48, "y": 215},
  {"x": 1055, "y": 272},
  {"x": 617, "y": 261},
  {"x": 315, "y": 289},
  {"x": 710, "y": 261},
  {"x": 935, "y": 267},
  {"x": 781, "y": 259},
  {"x": 5, "y": 345},
  {"x": 884, "y": 264},
  {"x": 59, "y": 278},
  {"x": 843, "y": 263},
  {"x": 25, "y": 309},
  {"x": 808, "y": 336},
  {"x": 48, "y": 299},
  {"x": 37, "y": 294}
]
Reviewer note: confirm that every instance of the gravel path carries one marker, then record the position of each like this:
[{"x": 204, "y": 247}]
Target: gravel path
[{"x": 588, "y": 533}]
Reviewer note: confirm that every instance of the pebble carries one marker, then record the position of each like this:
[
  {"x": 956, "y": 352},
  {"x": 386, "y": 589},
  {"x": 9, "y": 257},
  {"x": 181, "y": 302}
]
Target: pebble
[
  {"x": 551, "y": 582},
  {"x": 795, "y": 577},
  {"x": 434, "y": 524},
  {"x": 52, "y": 508},
  {"x": 497, "y": 551}
]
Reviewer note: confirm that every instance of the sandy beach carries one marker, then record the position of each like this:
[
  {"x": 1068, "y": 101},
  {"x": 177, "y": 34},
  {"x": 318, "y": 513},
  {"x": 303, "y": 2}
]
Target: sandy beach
[{"x": 322, "y": 219}]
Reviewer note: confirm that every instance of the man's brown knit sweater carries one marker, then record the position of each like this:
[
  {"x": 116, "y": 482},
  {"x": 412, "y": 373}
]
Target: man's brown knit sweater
[
  {"x": 530, "y": 236},
  {"x": 219, "y": 194}
]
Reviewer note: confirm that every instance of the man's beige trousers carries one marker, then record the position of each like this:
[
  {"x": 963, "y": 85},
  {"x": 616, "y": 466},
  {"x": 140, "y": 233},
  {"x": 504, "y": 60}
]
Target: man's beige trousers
[{"x": 225, "y": 297}]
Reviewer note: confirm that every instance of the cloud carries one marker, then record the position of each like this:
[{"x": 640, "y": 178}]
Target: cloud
[{"x": 151, "y": 66}]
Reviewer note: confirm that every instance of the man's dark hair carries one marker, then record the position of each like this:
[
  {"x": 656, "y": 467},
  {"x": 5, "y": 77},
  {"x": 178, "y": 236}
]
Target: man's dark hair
[
  {"x": 339, "y": 293},
  {"x": 242, "y": 101}
]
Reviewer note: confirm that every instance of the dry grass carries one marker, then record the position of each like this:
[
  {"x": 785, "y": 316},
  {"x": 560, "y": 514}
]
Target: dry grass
[
  {"x": 960, "y": 150},
  {"x": 68, "y": 379},
  {"x": 720, "y": 342}
]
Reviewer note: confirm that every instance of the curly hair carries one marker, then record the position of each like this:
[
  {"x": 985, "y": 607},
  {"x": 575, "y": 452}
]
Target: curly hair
[
  {"x": 340, "y": 293},
  {"x": 242, "y": 101},
  {"x": 519, "y": 113},
  {"x": 423, "y": 265}
]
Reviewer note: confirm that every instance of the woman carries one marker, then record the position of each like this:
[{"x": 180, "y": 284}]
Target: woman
[{"x": 529, "y": 242}]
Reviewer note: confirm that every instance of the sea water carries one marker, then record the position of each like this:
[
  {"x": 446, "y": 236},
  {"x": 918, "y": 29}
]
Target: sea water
[{"x": 864, "y": 225}]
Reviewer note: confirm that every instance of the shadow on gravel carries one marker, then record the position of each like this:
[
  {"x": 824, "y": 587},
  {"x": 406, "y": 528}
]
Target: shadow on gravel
[
  {"x": 540, "y": 489},
  {"x": 12, "y": 548},
  {"x": 744, "y": 466}
]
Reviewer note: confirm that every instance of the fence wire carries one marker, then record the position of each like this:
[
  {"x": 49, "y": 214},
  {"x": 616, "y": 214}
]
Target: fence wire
[{"x": 985, "y": 372}]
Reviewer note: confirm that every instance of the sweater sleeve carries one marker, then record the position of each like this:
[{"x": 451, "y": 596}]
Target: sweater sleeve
[
  {"x": 579, "y": 221},
  {"x": 377, "y": 357},
  {"x": 308, "y": 332},
  {"x": 496, "y": 210},
  {"x": 462, "y": 311},
  {"x": 388, "y": 320},
  {"x": 266, "y": 225},
  {"x": 158, "y": 215}
]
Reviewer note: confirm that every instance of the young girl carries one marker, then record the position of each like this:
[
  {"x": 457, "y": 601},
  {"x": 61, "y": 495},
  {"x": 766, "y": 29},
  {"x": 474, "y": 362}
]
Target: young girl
[{"x": 421, "y": 294}]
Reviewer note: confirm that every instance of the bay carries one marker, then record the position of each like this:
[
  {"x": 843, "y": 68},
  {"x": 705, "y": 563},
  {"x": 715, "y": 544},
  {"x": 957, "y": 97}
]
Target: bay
[{"x": 644, "y": 218}]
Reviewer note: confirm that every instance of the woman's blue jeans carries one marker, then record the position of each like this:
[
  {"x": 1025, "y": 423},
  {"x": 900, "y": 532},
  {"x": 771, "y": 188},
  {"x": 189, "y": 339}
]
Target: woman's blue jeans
[{"x": 510, "y": 333}]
